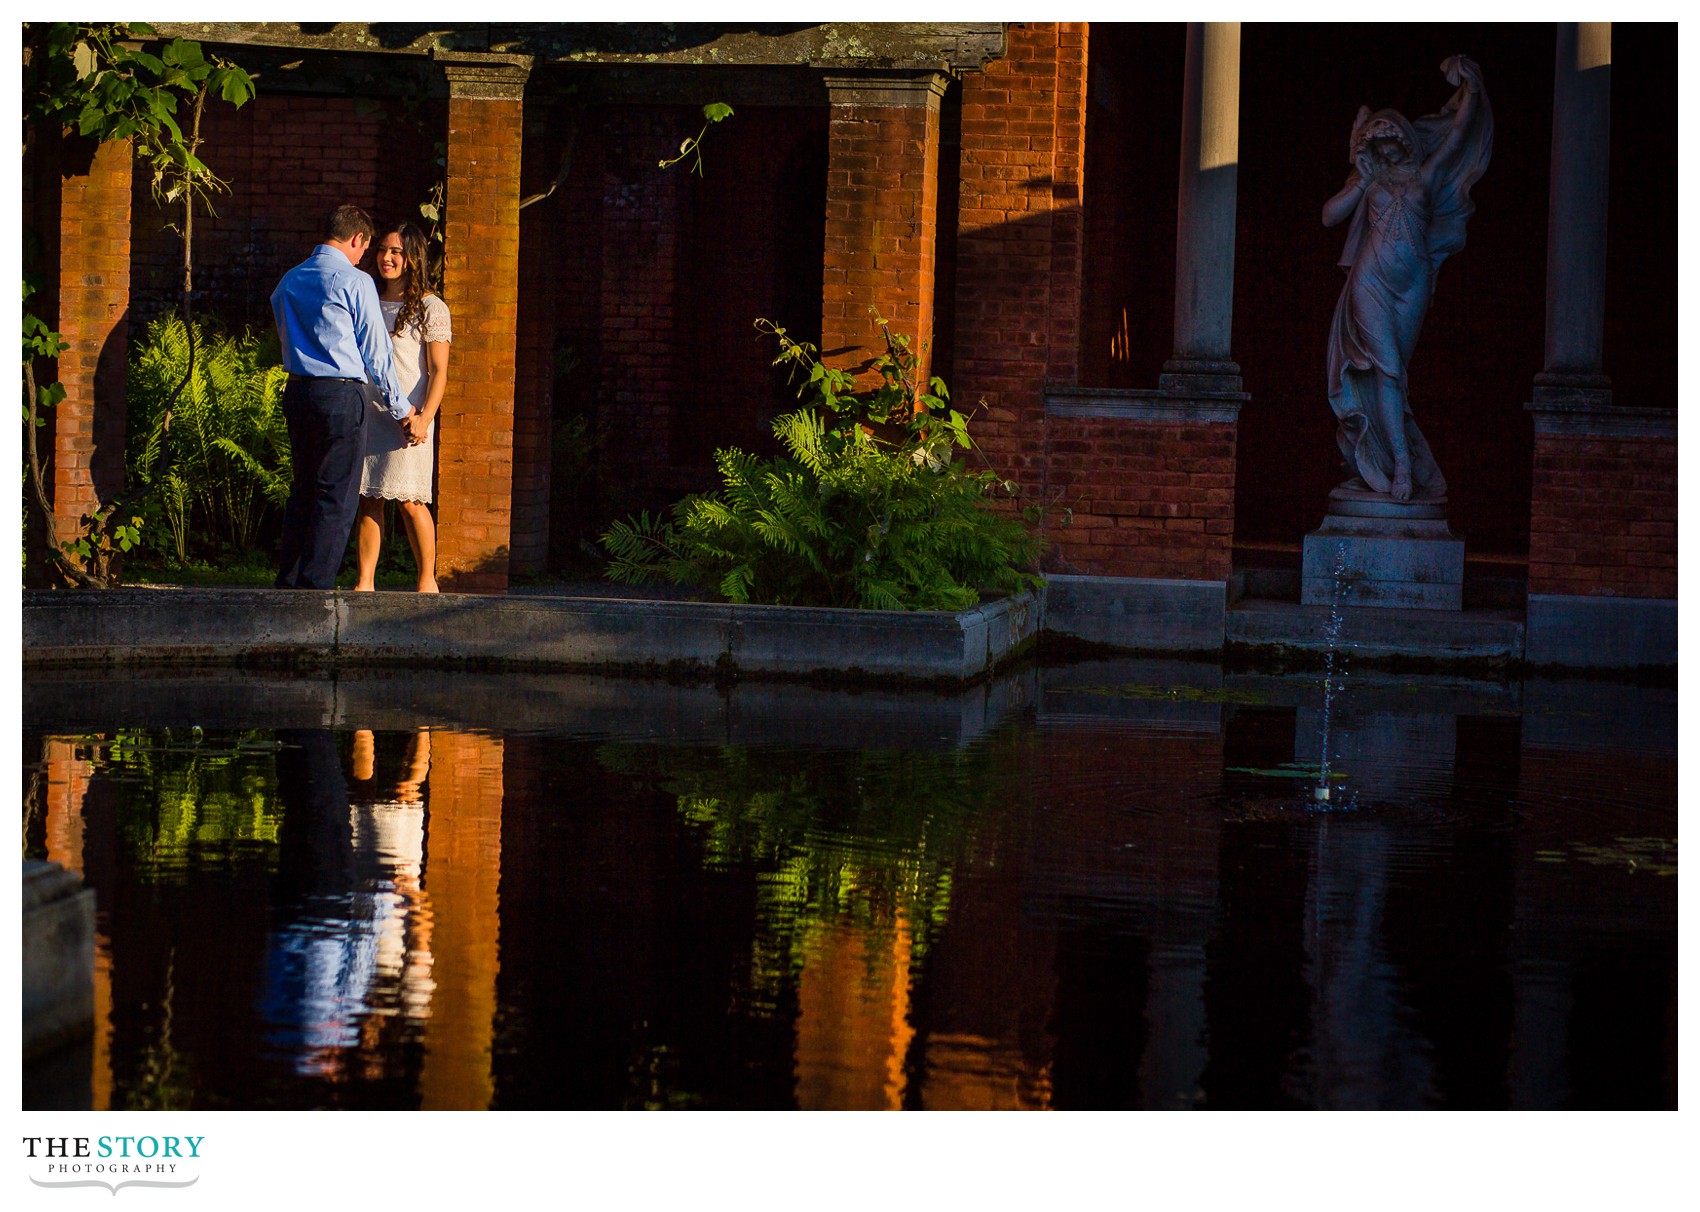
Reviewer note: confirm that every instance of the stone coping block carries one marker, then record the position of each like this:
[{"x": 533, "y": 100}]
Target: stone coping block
[
  {"x": 1601, "y": 632},
  {"x": 1136, "y": 404},
  {"x": 1138, "y": 614},
  {"x": 1380, "y": 632},
  {"x": 58, "y": 958},
  {"x": 342, "y": 628}
]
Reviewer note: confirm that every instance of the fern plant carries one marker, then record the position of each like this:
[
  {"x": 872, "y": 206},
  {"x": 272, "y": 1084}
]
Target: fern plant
[
  {"x": 227, "y": 430},
  {"x": 871, "y": 505}
]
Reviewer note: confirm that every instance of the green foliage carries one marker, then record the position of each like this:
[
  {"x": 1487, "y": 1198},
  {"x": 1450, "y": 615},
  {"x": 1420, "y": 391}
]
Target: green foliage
[
  {"x": 188, "y": 798},
  {"x": 874, "y": 839},
  {"x": 85, "y": 78},
  {"x": 93, "y": 81},
  {"x": 870, "y": 506},
  {"x": 227, "y": 434},
  {"x": 714, "y": 111},
  {"x": 40, "y": 342}
]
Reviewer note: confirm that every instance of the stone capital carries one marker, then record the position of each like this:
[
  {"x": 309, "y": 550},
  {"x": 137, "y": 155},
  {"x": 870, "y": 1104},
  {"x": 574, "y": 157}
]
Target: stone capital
[
  {"x": 484, "y": 77},
  {"x": 886, "y": 88}
]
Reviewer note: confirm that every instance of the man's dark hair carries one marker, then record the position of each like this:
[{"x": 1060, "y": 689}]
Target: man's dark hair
[{"x": 346, "y": 222}]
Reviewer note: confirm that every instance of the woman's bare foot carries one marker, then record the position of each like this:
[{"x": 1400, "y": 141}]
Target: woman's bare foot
[
  {"x": 428, "y": 586},
  {"x": 366, "y": 588},
  {"x": 1401, "y": 482}
]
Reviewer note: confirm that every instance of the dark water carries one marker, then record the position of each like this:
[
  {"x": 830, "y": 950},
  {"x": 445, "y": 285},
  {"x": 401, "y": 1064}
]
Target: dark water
[{"x": 1101, "y": 886}]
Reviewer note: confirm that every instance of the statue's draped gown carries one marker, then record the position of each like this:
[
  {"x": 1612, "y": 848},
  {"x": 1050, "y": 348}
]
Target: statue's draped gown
[{"x": 1400, "y": 233}]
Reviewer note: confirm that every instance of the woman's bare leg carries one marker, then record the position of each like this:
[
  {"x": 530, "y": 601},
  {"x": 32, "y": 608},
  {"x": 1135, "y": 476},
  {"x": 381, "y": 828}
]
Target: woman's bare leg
[
  {"x": 365, "y": 746},
  {"x": 422, "y": 533},
  {"x": 407, "y": 529},
  {"x": 369, "y": 529},
  {"x": 1390, "y": 415}
]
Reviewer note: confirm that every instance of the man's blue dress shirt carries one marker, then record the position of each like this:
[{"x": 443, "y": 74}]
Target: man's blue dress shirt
[{"x": 331, "y": 326}]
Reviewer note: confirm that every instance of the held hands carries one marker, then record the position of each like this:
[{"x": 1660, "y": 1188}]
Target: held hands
[{"x": 415, "y": 427}]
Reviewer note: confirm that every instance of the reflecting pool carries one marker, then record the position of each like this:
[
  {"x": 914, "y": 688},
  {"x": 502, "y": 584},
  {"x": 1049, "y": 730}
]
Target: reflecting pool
[{"x": 1102, "y": 885}]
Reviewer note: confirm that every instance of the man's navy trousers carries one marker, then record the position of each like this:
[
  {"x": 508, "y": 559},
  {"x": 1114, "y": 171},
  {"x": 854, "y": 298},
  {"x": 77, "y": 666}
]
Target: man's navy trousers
[{"x": 327, "y": 441}]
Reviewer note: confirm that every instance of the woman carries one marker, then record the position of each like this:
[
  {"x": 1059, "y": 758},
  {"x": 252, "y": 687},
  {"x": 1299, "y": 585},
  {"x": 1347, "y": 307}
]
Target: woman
[
  {"x": 1408, "y": 197},
  {"x": 400, "y": 456}
]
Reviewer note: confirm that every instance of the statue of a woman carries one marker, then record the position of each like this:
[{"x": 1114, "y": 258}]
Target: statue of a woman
[{"x": 1408, "y": 197}]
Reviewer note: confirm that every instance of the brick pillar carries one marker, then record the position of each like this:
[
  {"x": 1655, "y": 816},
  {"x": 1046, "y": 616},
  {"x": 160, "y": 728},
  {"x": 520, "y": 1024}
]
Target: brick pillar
[
  {"x": 1603, "y": 511},
  {"x": 882, "y": 192},
  {"x": 94, "y": 300},
  {"x": 1018, "y": 260},
  {"x": 481, "y": 284}
]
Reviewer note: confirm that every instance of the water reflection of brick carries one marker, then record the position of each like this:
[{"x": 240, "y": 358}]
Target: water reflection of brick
[
  {"x": 462, "y": 874},
  {"x": 67, "y": 776},
  {"x": 853, "y": 1027}
]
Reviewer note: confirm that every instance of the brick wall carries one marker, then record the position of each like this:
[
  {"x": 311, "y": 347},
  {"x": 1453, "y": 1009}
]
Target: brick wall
[
  {"x": 535, "y": 348},
  {"x": 289, "y": 159},
  {"x": 751, "y": 247},
  {"x": 640, "y": 238},
  {"x": 93, "y": 319},
  {"x": 1147, "y": 499},
  {"x": 882, "y": 185},
  {"x": 1603, "y": 516},
  {"x": 481, "y": 285},
  {"x": 1018, "y": 250},
  {"x": 577, "y": 209}
]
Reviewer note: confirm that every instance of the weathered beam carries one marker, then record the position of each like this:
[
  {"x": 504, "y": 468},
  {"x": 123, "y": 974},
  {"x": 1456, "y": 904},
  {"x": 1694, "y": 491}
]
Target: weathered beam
[{"x": 964, "y": 46}]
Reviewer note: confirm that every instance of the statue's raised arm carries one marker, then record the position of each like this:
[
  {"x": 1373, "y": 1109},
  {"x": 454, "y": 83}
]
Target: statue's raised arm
[{"x": 1408, "y": 198}]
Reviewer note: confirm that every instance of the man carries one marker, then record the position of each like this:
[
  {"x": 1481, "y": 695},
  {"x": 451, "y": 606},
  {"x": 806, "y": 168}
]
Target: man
[{"x": 334, "y": 344}]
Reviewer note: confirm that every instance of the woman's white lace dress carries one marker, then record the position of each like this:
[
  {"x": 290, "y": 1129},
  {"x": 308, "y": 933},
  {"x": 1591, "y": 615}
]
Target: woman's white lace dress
[{"x": 394, "y": 469}]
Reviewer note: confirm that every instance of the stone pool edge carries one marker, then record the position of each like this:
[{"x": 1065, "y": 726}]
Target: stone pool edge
[{"x": 325, "y": 628}]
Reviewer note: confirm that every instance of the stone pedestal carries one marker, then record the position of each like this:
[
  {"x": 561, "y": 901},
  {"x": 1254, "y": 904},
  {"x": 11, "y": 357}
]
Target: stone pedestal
[
  {"x": 1396, "y": 553},
  {"x": 58, "y": 947}
]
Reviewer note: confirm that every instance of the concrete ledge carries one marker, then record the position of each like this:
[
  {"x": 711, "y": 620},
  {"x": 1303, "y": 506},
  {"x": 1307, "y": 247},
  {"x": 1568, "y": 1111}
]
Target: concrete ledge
[
  {"x": 588, "y": 705},
  {"x": 560, "y": 633},
  {"x": 1138, "y": 614},
  {"x": 58, "y": 955},
  {"x": 1601, "y": 633},
  {"x": 92, "y": 626},
  {"x": 345, "y": 629},
  {"x": 1494, "y": 636}
]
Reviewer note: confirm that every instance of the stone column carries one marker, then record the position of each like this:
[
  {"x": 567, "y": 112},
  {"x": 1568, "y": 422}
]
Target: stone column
[
  {"x": 882, "y": 190},
  {"x": 1204, "y": 243},
  {"x": 94, "y": 302},
  {"x": 475, "y": 434},
  {"x": 1576, "y": 210}
]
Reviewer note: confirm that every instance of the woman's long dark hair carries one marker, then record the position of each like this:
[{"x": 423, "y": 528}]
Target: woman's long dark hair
[{"x": 415, "y": 278}]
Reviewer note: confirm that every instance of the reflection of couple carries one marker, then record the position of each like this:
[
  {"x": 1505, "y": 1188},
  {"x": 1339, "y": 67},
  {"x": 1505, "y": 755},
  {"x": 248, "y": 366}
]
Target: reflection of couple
[
  {"x": 339, "y": 335},
  {"x": 351, "y": 938}
]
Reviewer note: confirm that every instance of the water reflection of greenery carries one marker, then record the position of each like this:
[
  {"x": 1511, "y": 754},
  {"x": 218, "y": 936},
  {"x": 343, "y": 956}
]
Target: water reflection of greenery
[
  {"x": 871, "y": 839},
  {"x": 187, "y": 797}
]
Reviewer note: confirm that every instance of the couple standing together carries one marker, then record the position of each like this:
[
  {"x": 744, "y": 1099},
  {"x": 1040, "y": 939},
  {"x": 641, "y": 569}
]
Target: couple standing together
[{"x": 367, "y": 372}]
